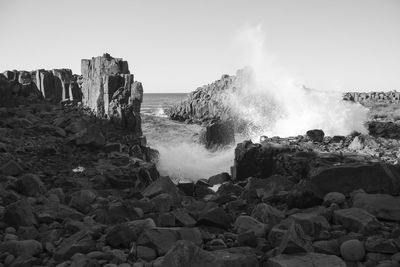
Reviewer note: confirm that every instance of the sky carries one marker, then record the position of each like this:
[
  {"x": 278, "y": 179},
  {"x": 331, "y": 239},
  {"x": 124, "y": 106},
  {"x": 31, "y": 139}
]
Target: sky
[{"x": 179, "y": 45}]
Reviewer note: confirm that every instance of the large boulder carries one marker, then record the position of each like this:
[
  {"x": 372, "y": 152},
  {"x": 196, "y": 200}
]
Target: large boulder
[
  {"x": 306, "y": 260},
  {"x": 218, "y": 134},
  {"x": 383, "y": 206}
]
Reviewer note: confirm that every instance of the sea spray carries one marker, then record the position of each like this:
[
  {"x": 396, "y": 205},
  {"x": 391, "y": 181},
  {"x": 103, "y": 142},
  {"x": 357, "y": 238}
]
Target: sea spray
[{"x": 276, "y": 104}]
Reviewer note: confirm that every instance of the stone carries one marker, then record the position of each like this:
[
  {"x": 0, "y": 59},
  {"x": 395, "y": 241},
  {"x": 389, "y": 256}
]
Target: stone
[
  {"x": 90, "y": 136},
  {"x": 162, "y": 239},
  {"x": 352, "y": 250},
  {"x": 306, "y": 260},
  {"x": 162, "y": 185},
  {"x": 120, "y": 236},
  {"x": 295, "y": 241},
  {"x": 215, "y": 217},
  {"x": 312, "y": 224},
  {"x": 218, "y": 134},
  {"x": 330, "y": 247},
  {"x": 316, "y": 135},
  {"x": 249, "y": 224},
  {"x": 381, "y": 245},
  {"x": 185, "y": 253},
  {"x": 145, "y": 253},
  {"x": 356, "y": 220},
  {"x": 19, "y": 213},
  {"x": 81, "y": 200},
  {"x": 11, "y": 168},
  {"x": 371, "y": 177},
  {"x": 21, "y": 248},
  {"x": 31, "y": 185},
  {"x": 267, "y": 214},
  {"x": 236, "y": 257},
  {"x": 162, "y": 202},
  {"x": 80, "y": 242},
  {"x": 334, "y": 197},
  {"x": 382, "y": 206},
  {"x": 219, "y": 178},
  {"x": 183, "y": 218}
]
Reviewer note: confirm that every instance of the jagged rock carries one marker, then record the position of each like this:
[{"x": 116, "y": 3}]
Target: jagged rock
[
  {"x": 312, "y": 224},
  {"x": 306, "y": 260},
  {"x": 90, "y": 136},
  {"x": 334, "y": 197},
  {"x": 19, "y": 213},
  {"x": 330, "y": 247},
  {"x": 382, "y": 206},
  {"x": 80, "y": 242},
  {"x": 316, "y": 135},
  {"x": 267, "y": 214},
  {"x": 239, "y": 256},
  {"x": 215, "y": 217},
  {"x": 295, "y": 241},
  {"x": 219, "y": 178},
  {"x": 120, "y": 236},
  {"x": 352, "y": 250},
  {"x": 257, "y": 189},
  {"x": 146, "y": 253},
  {"x": 81, "y": 200},
  {"x": 249, "y": 224},
  {"x": 218, "y": 134},
  {"x": 162, "y": 239},
  {"x": 185, "y": 253},
  {"x": 356, "y": 220},
  {"x": 381, "y": 245},
  {"x": 162, "y": 185}
]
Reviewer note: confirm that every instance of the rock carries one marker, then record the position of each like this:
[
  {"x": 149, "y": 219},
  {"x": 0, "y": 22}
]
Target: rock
[
  {"x": 219, "y": 178},
  {"x": 312, "y": 224},
  {"x": 21, "y": 248},
  {"x": 162, "y": 185},
  {"x": 215, "y": 217},
  {"x": 19, "y": 213},
  {"x": 257, "y": 189},
  {"x": 330, "y": 247},
  {"x": 80, "y": 242},
  {"x": 316, "y": 135},
  {"x": 31, "y": 185},
  {"x": 162, "y": 239},
  {"x": 145, "y": 253},
  {"x": 382, "y": 206},
  {"x": 356, "y": 220},
  {"x": 162, "y": 202},
  {"x": 381, "y": 245},
  {"x": 267, "y": 214},
  {"x": 242, "y": 257},
  {"x": 81, "y": 200},
  {"x": 371, "y": 177},
  {"x": 334, "y": 197},
  {"x": 352, "y": 250},
  {"x": 120, "y": 236},
  {"x": 218, "y": 134},
  {"x": 306, "y": 260},
  {"x": 183, "y": 218},
  {"x": 11, "y": 168},
  {"x": 249, "y": 224},
  {"x": 185, "y": 253},
  {"x": 90, "y": 136},
  {"x": 295, "y": 241}
]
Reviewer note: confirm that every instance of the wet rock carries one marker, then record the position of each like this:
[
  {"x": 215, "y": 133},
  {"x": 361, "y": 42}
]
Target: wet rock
[
  {"x": 183, "y": 218},
  {"x": 306, "y": 260},
  {"x": 11, "y": 168},
  {"x": 382, "y": 206},
  {"x": 312, "y": 224},
  {"x": 249, "y": 224},
  {"x": 316, "y": 135},
  {"x": 162, "y": 239},
  {"x": 218, "y": 134},
  {"x": 19, "y": 213},
  {"x": 352, "y": 250},
  {"x": 219, "y": 178},
  {"x": 356, "y": 220}
]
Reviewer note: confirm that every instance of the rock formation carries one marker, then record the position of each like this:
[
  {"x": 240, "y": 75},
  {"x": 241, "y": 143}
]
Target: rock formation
[{"x": 377, "y": 97}]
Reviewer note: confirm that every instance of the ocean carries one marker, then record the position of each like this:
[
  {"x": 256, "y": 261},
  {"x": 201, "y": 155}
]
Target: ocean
[{"x": 182, "y": 156}]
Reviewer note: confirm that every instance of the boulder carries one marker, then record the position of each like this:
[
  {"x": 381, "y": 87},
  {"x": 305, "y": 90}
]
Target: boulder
[
  {"x": 80, "y": 242},
  {"x": 31, "y": 185},
  {"x": 90, "y": 136},
  {"x": 19, "y": 213},
  {"x": 382, "y": 206},
  {"x": 21, "y": 248},
  {"x": 352, "y": 250},
  {"x": 218, "y": 134},
  {"x": 356, "y": 220},
  {"x": 295, "y": 241},
  {"x": 371, "y": 177},
  {"x": 267, "y": 214},
  {"x": 215, "y": 217},
  {"x": 162, "y": 185},
  {"x": 316, "y": 135},
  {"x": 311, "y": 223},
  {"x": 11, "y": 168},
  {"x": 249, "y": 224},
  {"x": 306, "y": 260}
]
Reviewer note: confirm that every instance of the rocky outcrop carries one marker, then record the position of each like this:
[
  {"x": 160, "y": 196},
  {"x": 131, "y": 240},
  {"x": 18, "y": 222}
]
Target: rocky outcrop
[
  {"x": 110, "y": 91},
  {"x": 207, "y": 102},
  {"x": 218, "y": 133}
]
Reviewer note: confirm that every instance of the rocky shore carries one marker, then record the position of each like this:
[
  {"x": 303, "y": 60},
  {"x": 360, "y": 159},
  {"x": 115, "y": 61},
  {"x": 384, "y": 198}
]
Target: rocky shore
[{"x": 80, "y": 187}]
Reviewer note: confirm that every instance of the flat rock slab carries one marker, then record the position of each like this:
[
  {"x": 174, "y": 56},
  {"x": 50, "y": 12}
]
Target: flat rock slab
[{"x": 383, "y": 206}]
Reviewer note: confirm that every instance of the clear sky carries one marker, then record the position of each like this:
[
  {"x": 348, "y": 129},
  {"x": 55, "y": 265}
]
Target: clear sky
[{"x": 178, "y": 45}]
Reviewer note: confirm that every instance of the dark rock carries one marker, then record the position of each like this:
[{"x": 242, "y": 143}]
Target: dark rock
[
  {"x": 215, "y": 217},
  {"x": 31, "y": 185},
  {"x": 21, "y": 248},
  {"x": 19, "y": 213},
  {"x": 11, "y": 168},
  {"x": 80, "y": 242},
  {"x": 90, "y": 136},
  {"x": 307, "y": 259},
  {"x": 295, "y": 241},
  {"x": 162, "y": 185},
  {"x": 316, "y": 135},
  {"x": 218, "y": 134},
  {"x": 219, "y": 178},
  {"x": 382, "y": 206},
  {"x": 356, "y": 220},
  {"x": 120, "y": 236},
  {"x": 249, "y": 224}
]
